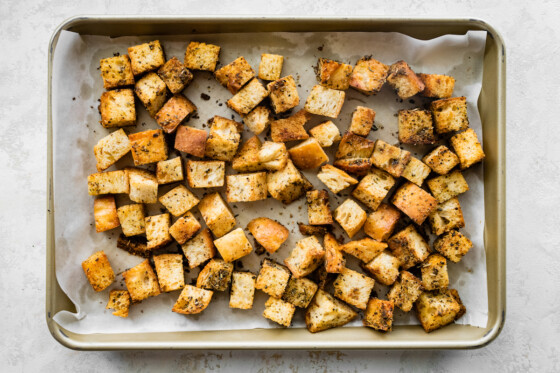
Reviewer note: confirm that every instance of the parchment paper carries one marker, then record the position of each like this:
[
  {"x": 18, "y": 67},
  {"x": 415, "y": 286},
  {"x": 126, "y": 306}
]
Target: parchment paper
[{"x": 77, "y": 86}]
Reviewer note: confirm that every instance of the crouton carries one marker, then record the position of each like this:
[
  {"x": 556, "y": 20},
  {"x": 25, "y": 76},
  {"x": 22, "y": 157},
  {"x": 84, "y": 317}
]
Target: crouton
[
  {"x": 223, "y": 140},
  {"x": 373, "y": 188},
  {"x": 98, "y": 271},
  {"x": 326, "y": 133},
  {"x": 184, "y": 228},
  {"x": 283, "y": 94},
  {"x": 273, "y": 278},
  {"x": 441, "y": 160},
  {"x": 467, "y": 147},
  {"x": 384, "y": 268},
  {"x": 354, "y": 146},
  {"x": 258, "y": 119},
  {"x": 148, "y": 147},
  {"x": 353, "y": 288},
  {"x": 379, "y": 315},
  {"x": 179, "y": 200},
  {"x": 287, "y": 184},
  {"x": 390, "y": 158},
  {"x": 333, "y": 74},
  {"x": 358, "y": 166},
  {"x": 434, "y": 273},
  {"x": 326, "y": 312},
  {"x": 113, "y": 182},
  {"x": 416, "y": 171},
  {"x": 415, "y": 202},
  {"x": 447, "y": 186},
  {"x": 146, "y": 57},
  {"x": 350, "y": 216},
  {"x": 447, "y": 216},
  {"x": 334, "y": 259},
  {"x": 175, "y": 75},
  {"x": 305, "y": 257},
  {"x": 216, "y": 214},
  {"x": 233, "y": 245},
  {"x": 336, "y": 180},
  {"x": 314, "y": 230},
  {"x": 119, "y": 301},
  {"x": 368, "y": 76},
  {"x": 143, "y": 186},
  {"x": 437, "y": 86},
  {"x": 405, "y": 291},
  {"x": 234, "y": 75},
  {"x": 409, "y": 247},
  {"x": 324, "y": 101},
  {"x": 157, "y": 231},
  {"x": 246, "y": 187},
  {"x": 131, "y": 218},
  {"x": 248, "y": 97},
  {"x": 206, "y": 174},
  {"x": 116, "y": 72},
  {"x": 169, "y": 269},
  {"x": 192, "y": 300},
  {"x": 191, "y": 141},
  {"x": 362, "y": 121},
  {"x": 273, "y": 156},
  {"x": 270, "y": 67},
  {"x": 300, "y": 292},
  {"x": 169, "y": 171},
  {"x": 201, "y": 56},
  {"x": 135, "y": 245},
  {"x": 279, "y": 311},
  {"x": 141, "y": 282},
  {"x": 291, "y": 128},
  {"x": 381, "y": 223},
  {"x": 117, "y": 108},
  {"x": 402, "y": 79},
  {"x": 242, "y": 290},
  {"x": 450, "y": 114},
  {"x": 365, "y": 249},
  {"x": 268, "y": 233},
  {"x": 318, "y": 207},
  {"x": 216, "y": 275},
  {"x": 416, "y": 127},
  {"x": 173, "y": 112},
  {"x": 439, "y": 308},
  {"x": 151, "y": 91},
  {"x": 105, "y": 213},
  {"x": 199, "y": 249},
  {"x": 308, "y": 154},
  {"x": 247, "y": 157},
  {"x": 453, "y": 245}
]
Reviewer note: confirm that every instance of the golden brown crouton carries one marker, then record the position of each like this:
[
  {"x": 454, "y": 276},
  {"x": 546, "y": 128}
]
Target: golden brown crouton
[
  {"x": 318, "y": 207},
  {"x": 336, "y": 180},
  {"x": 384, "y": 268},
  {"x": 157, "y": 231},
  {"x": 333, "y": 74},
  {"x": 368, "y": 76},
  {"x": 148, "y": 147},
  {"x": 441, "y": 160},
  {"x": 287, "y": 184},
  {"x": 270, "y": 67},
  {"x": 314, "y": 230},
  {"x": 381, "y": 223},
  {"x": 184, "y": 228},
  {"x": 326, "y": 312},
  {"x": 324, "y": 101},
  {"x": 409, "y": 247},
  {"x": 119, "y": 301},
  {"x": 247, "y": 157},
  {"x": 173, "y": 112},
  {"x": 353, "y": 288},
  {"x": 273, "y": 278},
  {"x": 169, "y": 171},
  {"x": 216, "y": 275},
  {"x": 192, "y": 300},
  {"x": 146, "y": 57},
  {"x": 308, "y": 154},
  {"x": 379, "y": 314},
  {"x": 453, "y": 245},
  {"x": 191, "y": 141},
  {"x": 105, "y": 213},
  {"x": 350, "y": 216},
  {"x": 405, "y": 291},
  {"x": 437, "y": 86},
  {"x": 268, "y": 233},
  {"x": 199, "y": 249},
  {"x": 447, "y": 186},
  {"x": 132, "y": 219},
  {"x": 354, "y": 146},
  {"x": 135, "y": 245},
  {"x": 224, "y": 138},
  {"x": 434, "y": 273},
  {"x": 362, "y": 121},
  {"x": 216, "y": 214},
  {"x": 373, "y": 188},
  {"x": 358, "y": 166},
  {"x": 242, "y": 290},
  {"x": 248, "y": 97},
  {"x": 141, "y": 282},
  {"x": 233, "y": 245},
  {"x": 169, "y": 269},
  {"x": 258, "y": 119},
  {"x": 143, "y": 186},
  {"x": 279, "y": 311},
  {"x": 326, "y": 133},
  {"x": 151, "y": 91},
  {"x": 334, "y": 259},
  {"x": 450, "y": 114},
  {"x": 390, "y": 158},
  {"x": 246, "y": 187},
  {"x": 439, "y": 308},
  {"x": 416, "y": 171},
  {"x": 365, "y": 249},
  {"x": 415, "y": 202},
  {"x": 447, "y": 216},
  {"x": 305, "y": 257},
  {"x": 201, "y": 56},
  {"x": 404, "y": 80},
  {"x": 98, "y": 271},
  {"x": 467, "y": 147},
  {"x": 117, "y": 108},
  {"x": 300, "y": 292},
  {"x": 273, "y": 156},
  {"x": 415, "y": 127},
  {"x": 206, "y": 174},
  {"x": 175, "y": 75},
  {"x": 283, "y": 94},
  {"x": 179, "y": 200},
  {"x": 234, "y": 75},
  {"x": 116, "y": 71},
  {"x": 291, "y": 128}
]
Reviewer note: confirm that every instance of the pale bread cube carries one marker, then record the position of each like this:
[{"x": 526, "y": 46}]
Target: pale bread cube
[
  {"x": 98, "y": 271},
  {"x": 270, "y": 67},
  {"x": 116, "y": 71},
  {"x": 223, "y": 140},
  {"x": 258, "y": 119},
  {"x": 201, "y": 56},
  {"x": 206, "y": 174},
  {"x": 157, "y": 231},
  {"x": 248, "y": 97},
  {"x": 113, "y": 182},
  {"x": 233, "y": 245},
  {"x": 326, "y": 312},
  {"x": 445, "y": 187},
  {"x": 169, "y": 171},
  {"x": 273, "y": 278},
  {"x": 326, "y": 133},
  {"x": 184, "y": 228},
  {"x": 273, "y": 156},
  {"x": 216, "y": 214},
  {"x": 132, "y": 219},
  {"x": 384, "y": 268},
  {"x": 405, "y": 291},
  {"x": 336, "y": 180},
  {"x": 283, "y": 94},
  {"x": 373, "y": 188},
  {"x": 110, "y": 149},
  {"x": 279, "y": 311},
  {"x": 152, "y": 92},
  {"x": 305, "y": 257},
  {"x": 169, "y": 269},
  {"x": 141, "y": 282},
  {"x": 350, "y": 216},
  {"x": 416, "y": 171},
  {"x": 117, "y": 108},
  {"x": 308, "y": 155},
  {"x": 192, "y": 300},
  {"x": 409, "y": 247},
  {"x": 105, "y": 213},
  {"x": 324, "y": 101},
  {"x": 247, "y": 157},
  {"x": 353, "y": 288},
  {"x": 148, "y": 147},
  {"x": 246, "y": 187},
  {"x": 199, "y": 249},
  {"x": 368, "y": 76},
  {"x": 268, "y": 233},
  {"x": 146, "y": 57},
  {"x": 415, "y": 202},
  {"x": 179, "y": 200},
  {"x": 216, "y": 275},
  {"x": 143, "y": 186},
  {"x": 242, "y": 290}
]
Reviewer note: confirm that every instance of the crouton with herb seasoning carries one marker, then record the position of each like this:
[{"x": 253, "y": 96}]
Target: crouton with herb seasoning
[
  {"x": 291, "y": 128},
  {"x": 409, "y": 247},
  {"x": 141, "y": 282},
  {"x": 416, "y": 171},
  {"x": 199, "y": 249},
  {"x": 437, "y": 86},
  {"x": 117, "y": 108},
  {"x": 381, "y": 223},
  {"x": 384, "y": 268},
  {"x": 390, "y": 158},
  {"x": 279, "y": 311},
  {"x": 362, "y": 121},
  {"x": 416, "y": 127},
  {"x": 326, "y": 312},
  {"x": 405, "y": 291},
  {"x": 333, "y": 74},
  {"x": 151, "y": 91},
  {"x": 105, "y": 213},
  {"x": 216, "y": 275},
  {"x": 191, "y": 141},
  {"x": 365, "y": 249},
  {"x": 450, "y": 114},
  {"x": 326, "y": 133},
  {"x": 234, "y": 75},
  {"x": 247, "y": 157},
  {"x": 467, "y": 147},
  {"x": 318, "y": 207},
  {"x": 175, "y": 75},
  {"x": 379, "y": 315},
  {"x": 143, "y": 186},
  {"x": 368, "y": 76},
  {"x": 246, "y": 187},
  {"x": 135, "y": 245},
  {"x": 324, "y": 101},
  {"x": 441, "y": 160},
  {"x": 373, "y": 188},
  {"x": 98, "y": 271},
  {"x": 148, "y": 147},
  {"x": 248, "y": 97},
  {"x": 403, "y": 80},
  {"x": 216, "y": 214},
  {"x": 434, "y": 273},
  {"x": 116, "y": 71},
  {"x": 334, "y": 259},
  {"x": 270, "y": 67},
  {"x": 447, "y": 216},
  {"x": 308, "y": 155},
  {"x": 169, "y": 171},
  {"x": 354, "y": 146},
  {"x": 224, "y": 139},
  {"x": 157, "y": 231},
  {"x": 336, "y": 180},
  {"x": 258, "y": 119},
  {"x": 206, "y": 174},
  {"x": 112, "y": 182},
  {"x": 283, "y": 94},
  {"x": 268, "y": 233},
  {"x": 119, "y": 302},
  {"x": 447, "y": 186},
  {"x": 146, "y": 57},
  {"x": 287, "y": 184},
  {"x": 177, "y": 109},
  {"x": 192, "y": 300},
  {"x": 184, "y": 228},
  {"x": 242, "y": 291},
  {"x": 314, "y": 230},
  {"x": 273, "y": 156},
  {"x": 350, "y": 216},
  {"x": 131, "y": 218},
  {"x": 300, "y": 292},
  {"x": 453, "y": 245},
  {"x": 353, "y": 288},
  {"x": 233, "y": 245},
  {"x": 170, "y": 274},
  {"x": 273, "y": 278},
  {"x": 179, "y": 200},
  {"x": 415, "y": 202},
  {"x": 201, "y": 56},
  {"x": 305, "y": 257},
  {"x": 358, "y": 166},
  {"x": 436, "y": 309}
]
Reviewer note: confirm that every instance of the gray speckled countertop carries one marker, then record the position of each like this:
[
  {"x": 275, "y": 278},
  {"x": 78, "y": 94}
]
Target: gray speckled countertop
[{"x": 529, "y": 341}]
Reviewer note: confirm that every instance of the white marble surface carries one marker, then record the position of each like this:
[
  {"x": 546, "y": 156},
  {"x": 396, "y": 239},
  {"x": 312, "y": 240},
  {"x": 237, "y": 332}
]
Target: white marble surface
[{"x": 529, "y": 341}]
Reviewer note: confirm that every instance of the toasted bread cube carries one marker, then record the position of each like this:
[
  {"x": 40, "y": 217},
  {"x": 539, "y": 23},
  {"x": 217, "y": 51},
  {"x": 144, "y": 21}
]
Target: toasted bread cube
[
  {"x": 318, "y": 207},
  {"x": 132, "y": 219},
  {"x": 201, "y": 56},
  {"x": 206, "y": 174},
  {"x": 300, "y": 292},
  {"x": 116, "y": 71},
  {"x": 192, "y": 300},
  {"x": 191, "y": 141},
  {"x": 314, "y": 230},
  {"x": 379, "y": 314},
  {"x": 435, "y": 309},
  {"x": 248, "y": 97},
  {"x": 305, "y": 257},
  {"x": 353, "y": 288},
  {"x": 273, "y": 278},
  {"x": 141, "y": 282},
  {"x": 247, "y": 157},
  {"x": 334, "y": 259},
  {"x": 234, "y": 75},
  {"x": 216, "y": 214},
  {"x": 291, "y": 128},
  {"x": 404, "y": 80},
  {"x": 434, "y": 273},
  {"x": 381, "y": 223},
  {"x": 326, "y": 312},
  {"x": 365, "y": 249},
  {"x": 308, "y": 154},
  {"x": 242, "y": 290},
  {"x": 448, "y": 186},
  {"x": 258, "y": 119},
  {"x": 246, "y": 187},
  {"x": 216, "y": 275},
  {"x": 119, "y": 301},
  {"x": 148, "y": 147},
  {"x": 453, "y": 245},
  {"x": 362, "y": 121},
  {"x": 151, "y": 91},
  {"x": 287, "y": 184},
  {"x": 169, "y": 171},
  {"x": 373, "y": 188},
  {"x": 224, "y": 139},
  {"x": 405, "y": 291},
  {"x": 233, "y": 245},
  {"x": 146, "y": 57},
  {"x": 169, "y": 269},
  {"x": 390, "y": 158},
  {"x": 199, "y": 249},
  {"x": 467, "y": 147},
  {"x": 336, "y": 180},
  {"x": 416, "y": 127},
  {"x": 333, "y": 74},
  {"x": 157, "y": 231},
  {"x": 98, "y": 271},
  {"x": 358, "y": 166},
  {"x": 415, "y": 202},
  {"x": 179, "y": 200},
  {"x": 135, "y": 245},
  {"x": 447, "y": 216},
  {"x": 117, "y": 108},
  {"x": 350, "y": 216},
  {"x": 113, "y": 182},
  {"x": 273, "y": 156},
  {"x": 441, "y": 160},
  {"x": 354, "y": 146},
  {"x": 450, "y": 114},
  {"x": 283, "y": 94},
  {"x": 270, "y": 67},
  {"x": 437, "y": 86},
  {"x": 368, "y": 76},
  {"x": 416, "y": 171},
  {"x": 173, "y": 112},
  {"x": 105, "y": 213},
  {"x": 184, "y": 228},
  {"x": 279, "y": 311},
  {"x": 143, "y": 186},
  {"x": 175, "y": 75},
  {"x": 324, "y": 101},
  {"x": 268, "y": 233},
  {"x": 409, "y": 247},
  {"x": 384, "y": 268},
  {"x": 326, "y": 133}
]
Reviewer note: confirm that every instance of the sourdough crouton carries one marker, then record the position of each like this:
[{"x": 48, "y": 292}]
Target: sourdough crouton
[
  {"x": 353, "y": 288},
  {"x": 416, "y": 171},
  {"x": 141, "y": 282},
  {"x": 258, "y": 119},
  {"x": 318, "y": 207},
  {"x": 334, "y": 259},
  {"x": 273, "y": 278},
  {"x": 173, "y": 112},
  {"x": 216, "y": 214},
  {"x": 384, "y": 268},
  {"x": 415, "y": 127},
  {"x": 441, "y": 160},
  {"x": 248, "y": 97},
  {"x": 279, "y": 311},
  {"x": 169, "y": 171},
  {"x": 333, "y": 74},
  {"x": 216, "y": 275},
  {"x": 305, "y": 257},
  {"x": 206, "y": 174},
  {"x": 192, "y": 300},
  {"x": 148, "y": 147},
  {"x": 324, "y": 101},
  {"x": 105, "y": 213},
  {"x": 308, "y": 154},
  {"x": 447, "y": 186},
  {"x": 326, "y": 312},
  {"x": 191, "y": 141},
  {"x": 199, "y": 249},
  {"x": 390, "y": 158},
  {"x": 409, "y": 247},
  {"x": 98, "y": 271},
  {"x": 268, "y": 233},
  {"x": 373, "y": 188},
  {"x": 287, "y": 184},
  {"x": 113, "y": 182},
  {"x": 233, "y": 245},
  {"x": 151, "y": 91},
  {"x": 273, "y": 156},
  {"x": 224, "y": 139},
  {"x": 415, "y": 202},
  {"x": 365, "y": 249},
  {"x": 435, "y": 309},
  {"x": 119, "y": 301},
  {"x": 184, "y": 228},
  {"x": 201, "y": 56},
  {"x": 169, "y": 269},
  {"x": 246, "y": 187},
  {"x": 116, "y": 71},
  {"x": 117, "y": 108},
  {"x": 283, "y": 94},
  {"x": 450, "y": 114},
  {"x": 467, "y": 147},
  {"x": 270, "y": 67},
  {"x": 447, "y": 216},
  {"x": 368, "y": 76},
  {"x": 157, "y": 231},
  {"x": 143, "y": 186},
  {"x": 437, "y": 86},
  {"x": 247, "y": 157},
  {"x": 336, "y": 180},
  {"x": 132, "y": 219},
  {"x": 381, "y": 223},
  {"x": 354, "y": 146},
  {"x": 242, "y": 291},
  {"x": 405, "y": 291},
  {"x": 453, "y": 245},
  {"x": 179, "y": 200},
  {"x": 362, "y": 121},
  {"x": 358, "y": 166},
  {"x": 135, "y": 245},
  {"x": 326, "y": 133},
  {"x": 350, "y": 216},
  {"x": 146, "y": 57},
  {"x": 300, "y": 292},
  {"x": 234, "y": 75},
  {"x": 434, "y": 273},
  {"x": 291, "y": 128},
  {"x": 402, "y": 79},
  {"x": 379, "y": 314},
  {"x": 175, "y": 75}
]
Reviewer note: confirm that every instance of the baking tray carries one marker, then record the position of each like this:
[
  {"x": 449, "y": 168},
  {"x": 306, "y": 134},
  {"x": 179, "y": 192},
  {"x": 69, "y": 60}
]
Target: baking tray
[{"x": 491, "y": 104}]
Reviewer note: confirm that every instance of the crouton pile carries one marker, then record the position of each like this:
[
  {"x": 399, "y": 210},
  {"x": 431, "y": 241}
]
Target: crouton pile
[{"x": 394, "y": 196}]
